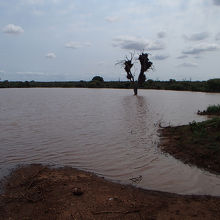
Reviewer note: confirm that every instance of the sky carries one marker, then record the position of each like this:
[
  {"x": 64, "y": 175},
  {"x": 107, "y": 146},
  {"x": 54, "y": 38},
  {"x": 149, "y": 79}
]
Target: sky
[{"x": 65, "y": 40}]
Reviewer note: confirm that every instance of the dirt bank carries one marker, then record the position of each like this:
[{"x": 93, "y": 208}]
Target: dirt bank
[
  {"x": 39, "y": 192},
  {"x": 197, "y": 144},
  {"x": 208, "y": 113}
]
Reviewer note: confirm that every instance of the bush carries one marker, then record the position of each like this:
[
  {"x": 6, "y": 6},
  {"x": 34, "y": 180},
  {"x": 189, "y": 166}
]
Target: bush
[
  {"x": 214, "y": 85},
  {"x": 213, "y": 109},
  {"x": 95, "y": 84},
  {"x": 98, "y": 78}
]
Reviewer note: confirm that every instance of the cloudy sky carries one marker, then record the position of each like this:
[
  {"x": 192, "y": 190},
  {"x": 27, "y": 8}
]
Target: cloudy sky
[{"x": 47, "y": 40}]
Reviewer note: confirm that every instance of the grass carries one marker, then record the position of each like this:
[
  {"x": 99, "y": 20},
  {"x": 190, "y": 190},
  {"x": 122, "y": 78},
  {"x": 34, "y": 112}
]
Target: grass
[
  {"x": 211, "y": 110},
  {"x": 200, "y": 126},
  {"x": 197, "y": 143},
  {"x": 206, "y": 132}
]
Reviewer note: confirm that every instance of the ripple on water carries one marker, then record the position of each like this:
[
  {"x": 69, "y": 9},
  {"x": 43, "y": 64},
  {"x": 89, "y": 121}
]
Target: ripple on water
[{"x": 110, "y": 132}]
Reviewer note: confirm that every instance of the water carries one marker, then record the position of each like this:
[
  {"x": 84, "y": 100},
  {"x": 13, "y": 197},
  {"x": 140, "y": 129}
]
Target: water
[{"x": 110, "y": 132}]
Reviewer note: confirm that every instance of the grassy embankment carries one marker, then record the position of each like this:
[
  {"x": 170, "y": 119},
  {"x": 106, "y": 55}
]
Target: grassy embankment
[
  {"x": 211, "y": 110},
  {"x": 197, "y": 143}
]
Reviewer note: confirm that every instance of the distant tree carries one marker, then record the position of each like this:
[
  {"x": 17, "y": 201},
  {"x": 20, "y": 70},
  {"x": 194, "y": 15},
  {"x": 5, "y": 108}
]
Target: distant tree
[
  {"x": 214, "y": 85},
  {"x": 145, "y": 65},
  {"x": 6, "y": 84},
  {"x": 26, "y": 84},
  {"x": 150, "y": 81},
  {"x": 172, "y": 80},
  {"x": 98, "y": 78}
]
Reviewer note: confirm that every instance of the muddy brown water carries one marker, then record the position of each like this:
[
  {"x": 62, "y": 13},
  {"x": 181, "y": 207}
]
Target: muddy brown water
[{"x": 109, "y": 132}]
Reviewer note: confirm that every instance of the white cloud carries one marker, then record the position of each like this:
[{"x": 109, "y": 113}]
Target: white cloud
[
  {"x": 40, "y": 2},
  {"x": 56, "y": 1},
  {"x": 217, "y": 37},
  {"x": 38, "y": 12},
  {"x": 201, "y": 48},
  {"x": 188, "y": 64},
  {"x": 33, "y": 2},
  {"x": 161, "y": 34},
  {"x": 197, "y": 36},
  {"x": 12, "y": 29},
  {"x": 2, "y": 72},
  {"x": 31, "y": 73},
  {"x": 134, "y": 43},
  {"x": 160, "y": 57},
  {"x": 216, "y": 2},
  {"x": 86, "y": 44},
  {"x": 73, "y": 45},
  {"x": 51, "y": 55},
  {"x": 197, "y": 57},
  {"x": 112, "y": 19},
  {"x": 76, "y": 45},
  {"x": 100, "y": 63}
]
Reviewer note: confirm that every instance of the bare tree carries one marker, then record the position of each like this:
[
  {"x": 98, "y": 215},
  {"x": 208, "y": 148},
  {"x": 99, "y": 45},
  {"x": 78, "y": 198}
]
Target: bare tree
[{"x": 145, "y": 66}]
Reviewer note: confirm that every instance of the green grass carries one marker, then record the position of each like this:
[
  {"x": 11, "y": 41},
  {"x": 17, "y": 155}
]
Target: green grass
[
  {"x": 202, "y": 127},
  {"x": 205, "y": 134},
  {"x": 197, "y": 143},
  {"x": 213, "y": 109}
]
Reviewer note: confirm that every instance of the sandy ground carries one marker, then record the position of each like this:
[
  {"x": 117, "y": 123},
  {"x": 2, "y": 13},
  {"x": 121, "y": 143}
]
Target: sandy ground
[{"x": 40, "y": 192}]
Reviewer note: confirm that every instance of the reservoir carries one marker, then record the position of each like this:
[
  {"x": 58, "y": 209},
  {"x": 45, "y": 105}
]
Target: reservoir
[{"x": 106, "y": 131}]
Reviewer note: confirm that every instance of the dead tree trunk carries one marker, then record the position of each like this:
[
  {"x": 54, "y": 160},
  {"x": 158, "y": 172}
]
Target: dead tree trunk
[
  {"x": 134, "y": 84},
  {"x": 135, "y": 88},
  {"x": 145, "y": 65}
]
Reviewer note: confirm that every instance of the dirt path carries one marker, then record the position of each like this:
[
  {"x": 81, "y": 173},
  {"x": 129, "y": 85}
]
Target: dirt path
[{"x": 39, "y": 192}]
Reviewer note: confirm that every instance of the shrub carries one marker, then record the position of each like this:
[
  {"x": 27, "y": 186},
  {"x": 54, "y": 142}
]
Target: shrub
[
  {"x": 98, "y": 78},
  {"x": 213, "y": 109},
  {"x": 214, "y": 85}
]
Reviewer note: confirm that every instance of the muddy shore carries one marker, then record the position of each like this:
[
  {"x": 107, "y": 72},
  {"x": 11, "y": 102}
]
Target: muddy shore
[
  {"x": 41, "y": 192},
  {"x": 195, "y": 144}
]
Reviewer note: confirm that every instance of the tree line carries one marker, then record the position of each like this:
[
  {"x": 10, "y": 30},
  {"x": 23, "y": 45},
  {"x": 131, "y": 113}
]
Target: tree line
[{"x": 212, "y": 85}]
